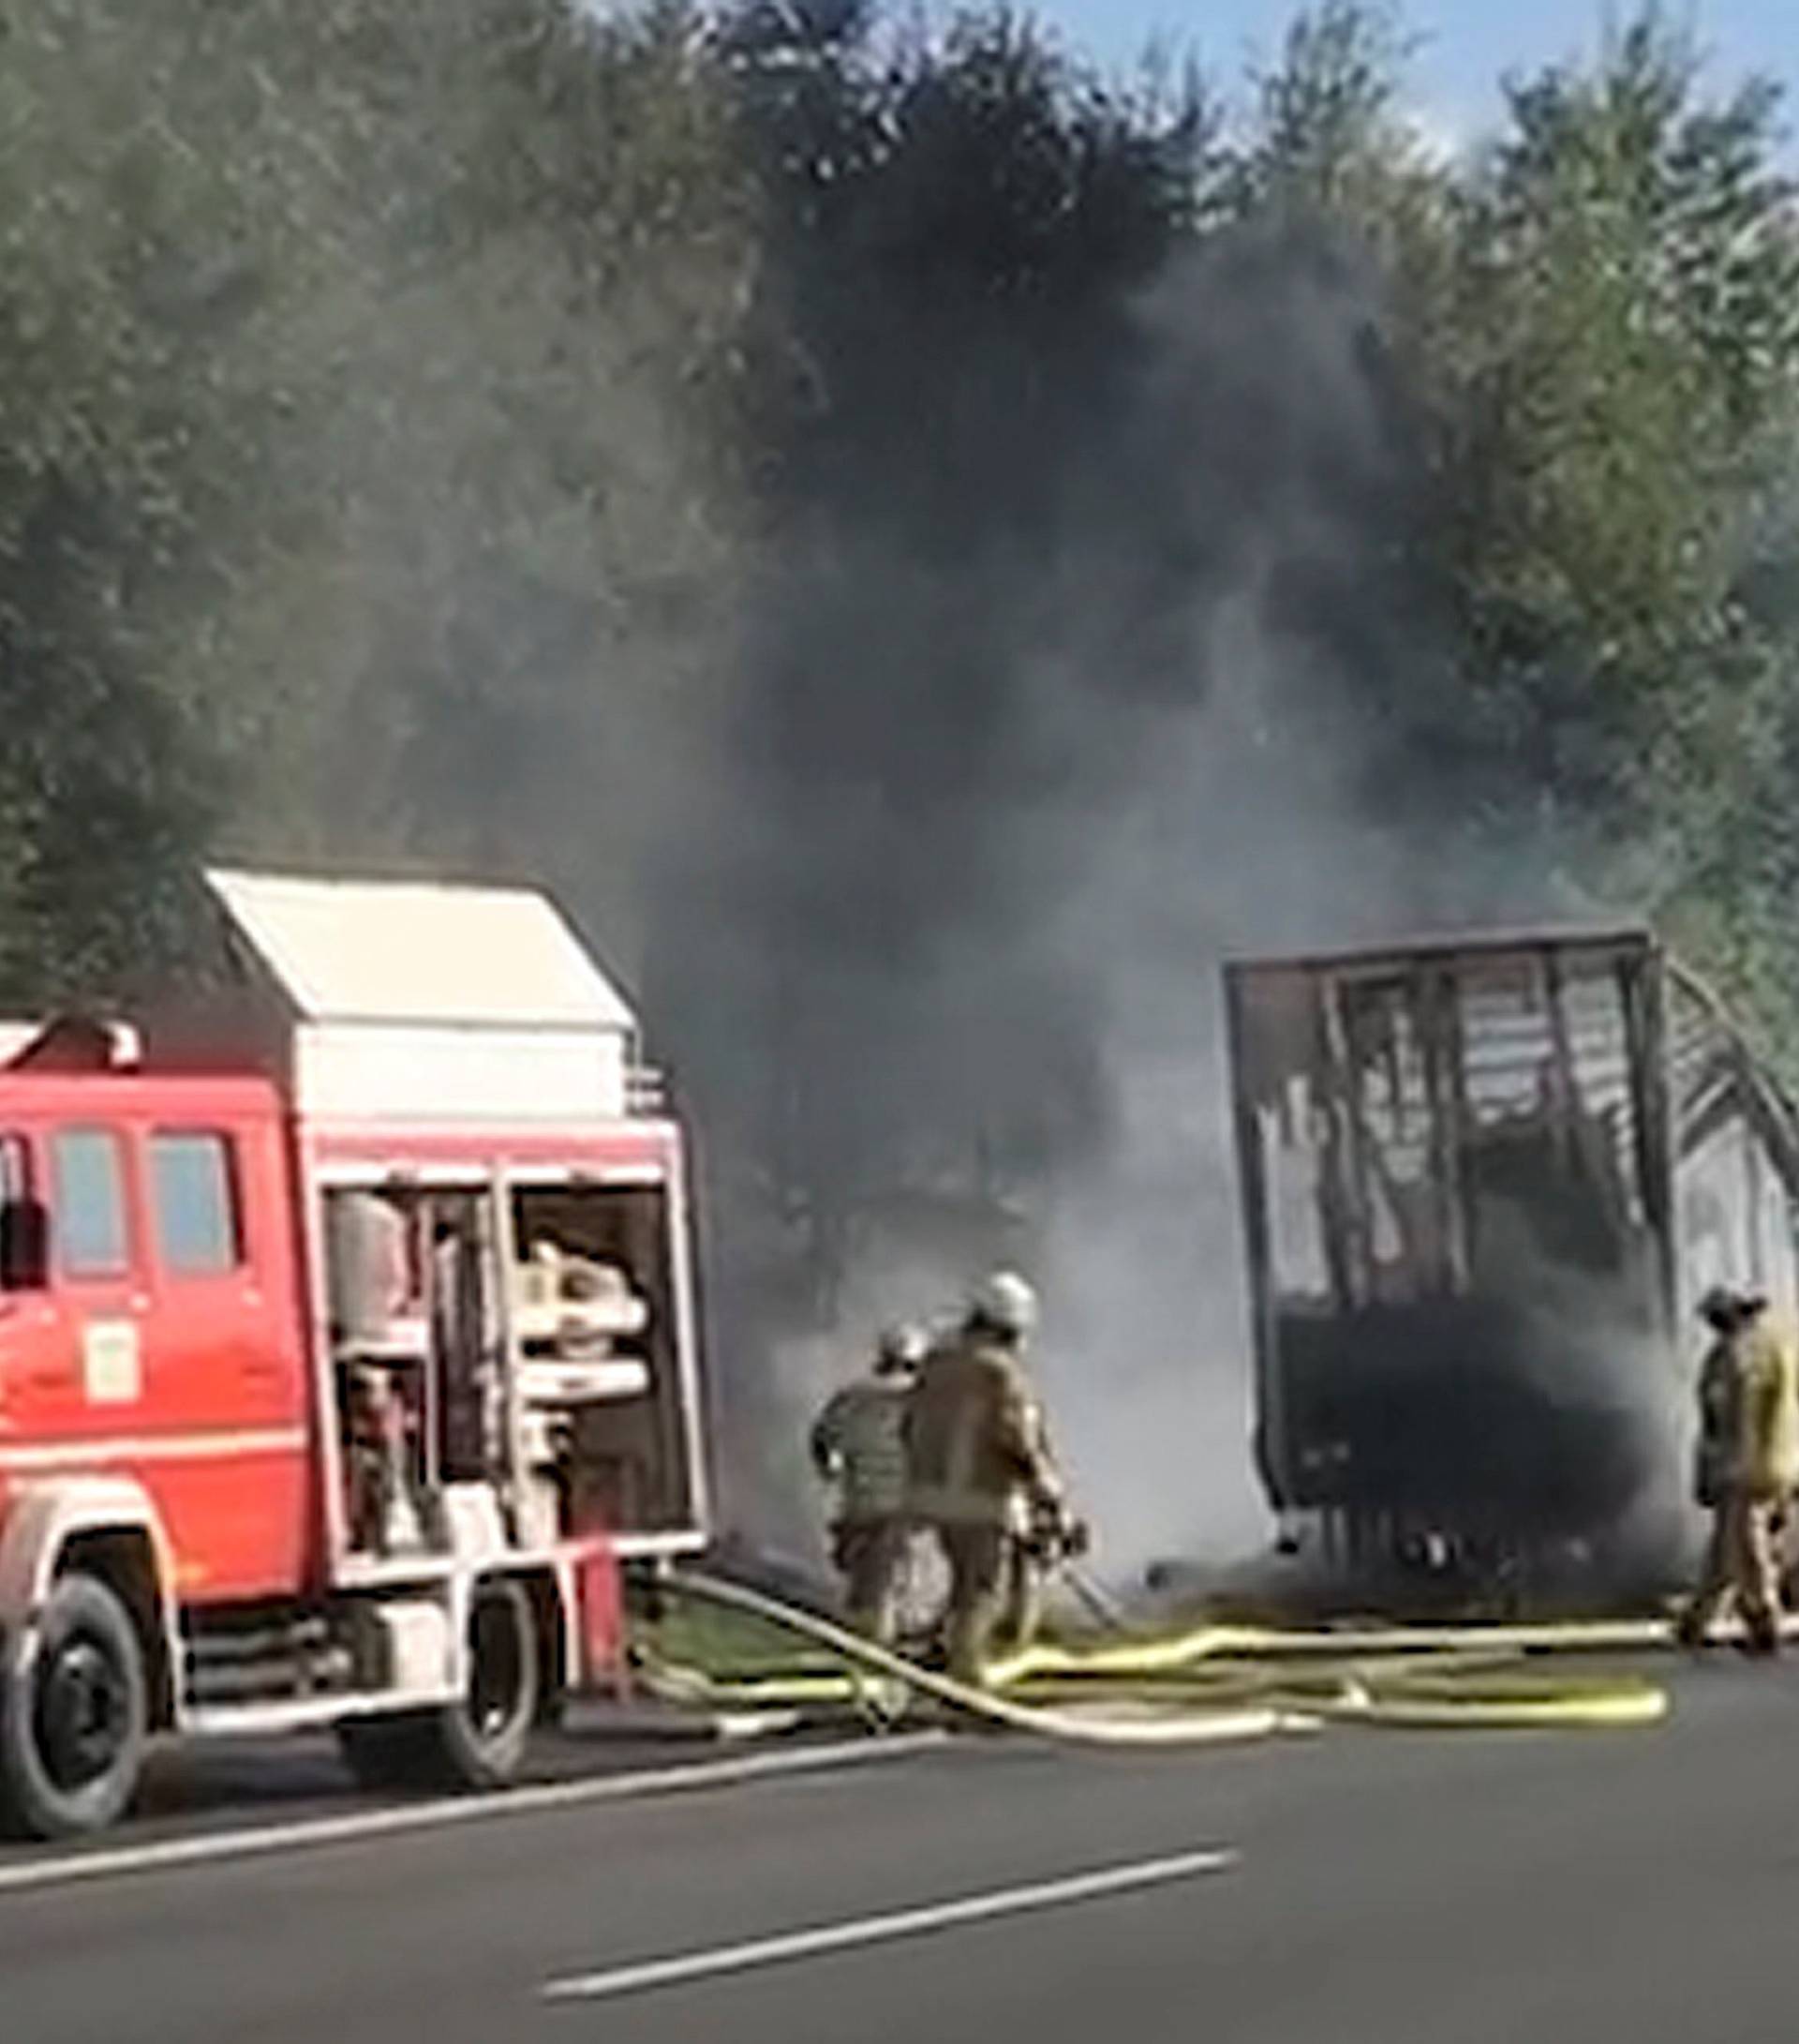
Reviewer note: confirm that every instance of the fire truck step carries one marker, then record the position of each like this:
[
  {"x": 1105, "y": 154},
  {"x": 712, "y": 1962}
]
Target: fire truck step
[
  {"x": 238, "y": 1643},
  {"x": 329, "y": 1673},
  {"x": 260, "y": 1657}
]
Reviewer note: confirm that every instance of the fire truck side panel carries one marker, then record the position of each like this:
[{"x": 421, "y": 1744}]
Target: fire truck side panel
[
  {"x": 165, "y": 1344},
  {"x": 635, "y": 1170}
]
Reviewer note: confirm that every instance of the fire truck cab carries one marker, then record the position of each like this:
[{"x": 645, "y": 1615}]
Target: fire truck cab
[{"x": 347, "y": 1347}]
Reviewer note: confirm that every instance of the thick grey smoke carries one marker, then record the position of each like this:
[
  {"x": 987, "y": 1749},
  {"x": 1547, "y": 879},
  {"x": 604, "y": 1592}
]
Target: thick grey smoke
[
  {"x": 1018, "y": 768},
  {"x": 1063, "y": 670}
]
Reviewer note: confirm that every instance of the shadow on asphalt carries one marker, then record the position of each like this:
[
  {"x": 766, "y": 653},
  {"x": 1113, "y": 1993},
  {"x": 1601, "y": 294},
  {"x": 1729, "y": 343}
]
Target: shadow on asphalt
[{"x": 228, "y": 1785}]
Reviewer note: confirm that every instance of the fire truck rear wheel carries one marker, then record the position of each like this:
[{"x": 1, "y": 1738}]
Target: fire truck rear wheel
[
  {"x": 484, "y": 1736},
  {"x": 73, "y": 1707},
  {"x": 478, "y": 1741}
]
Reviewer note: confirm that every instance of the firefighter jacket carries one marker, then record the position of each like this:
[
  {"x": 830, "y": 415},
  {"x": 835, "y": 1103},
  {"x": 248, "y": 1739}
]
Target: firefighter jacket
[
  {"x": 975, "y": 1439},
  {"x": 1714, "y": 1456},
  {"x": 859, "y": 1438},
  {"x": 1749, "y": 1415}
]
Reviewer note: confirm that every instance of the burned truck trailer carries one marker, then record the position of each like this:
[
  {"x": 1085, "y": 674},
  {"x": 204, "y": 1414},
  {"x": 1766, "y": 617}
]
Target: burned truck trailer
[{"x": 1483, "y": 1181}]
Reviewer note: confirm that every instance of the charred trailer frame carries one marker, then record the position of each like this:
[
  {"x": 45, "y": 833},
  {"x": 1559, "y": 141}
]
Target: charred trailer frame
[{"x": 1483, "y": 1181}]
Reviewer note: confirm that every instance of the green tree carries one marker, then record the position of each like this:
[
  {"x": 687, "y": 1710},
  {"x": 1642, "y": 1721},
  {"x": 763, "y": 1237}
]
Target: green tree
[
  {"x": 105, "y": 784},
  {"x": 1622, "y": 380},
  {"x": 367, "y": 376}
]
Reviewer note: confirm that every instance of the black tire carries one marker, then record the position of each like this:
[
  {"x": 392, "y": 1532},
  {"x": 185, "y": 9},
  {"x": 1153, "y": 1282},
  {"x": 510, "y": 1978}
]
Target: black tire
[
  {"x": 485, "y": 1734},
  {"x": 478, "y": 1741},
  {"x": 73, "y": 1713}
]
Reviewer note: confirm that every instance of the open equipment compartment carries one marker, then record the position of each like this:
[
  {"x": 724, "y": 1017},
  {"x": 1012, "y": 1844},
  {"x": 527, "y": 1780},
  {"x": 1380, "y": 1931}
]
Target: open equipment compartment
[
  {"x": 597, "y": 1338},
  {"x": 359, "y": 1352},
  {"x": 455, "y": 1058}
]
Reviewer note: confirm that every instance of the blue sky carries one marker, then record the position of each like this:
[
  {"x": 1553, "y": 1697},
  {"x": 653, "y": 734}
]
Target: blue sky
[{"x": 1467, "y": 43}]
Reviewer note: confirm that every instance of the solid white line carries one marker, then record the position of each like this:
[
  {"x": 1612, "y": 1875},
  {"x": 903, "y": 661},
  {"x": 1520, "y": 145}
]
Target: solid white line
[
  {"x": 833, "y": 1937},
  {"x": 535, "y": 1801}
]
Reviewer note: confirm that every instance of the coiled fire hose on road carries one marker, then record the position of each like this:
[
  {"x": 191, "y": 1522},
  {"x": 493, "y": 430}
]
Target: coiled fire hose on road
[
  {"x": 1189, "y": 1728},
  {"x": 1214, "y": 1685}
]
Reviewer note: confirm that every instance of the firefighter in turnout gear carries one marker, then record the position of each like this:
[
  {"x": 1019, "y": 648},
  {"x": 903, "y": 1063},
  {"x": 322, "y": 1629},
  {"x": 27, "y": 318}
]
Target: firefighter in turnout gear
[
  {"x": 1747, "y": 1465},
  {"x": 857, "y": 1442},
  {"x": 980, "y": 1472}
]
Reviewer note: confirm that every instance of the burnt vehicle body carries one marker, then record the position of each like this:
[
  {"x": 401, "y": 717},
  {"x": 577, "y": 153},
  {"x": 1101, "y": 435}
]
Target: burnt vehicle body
[{"x": 1483, "y": 1181}]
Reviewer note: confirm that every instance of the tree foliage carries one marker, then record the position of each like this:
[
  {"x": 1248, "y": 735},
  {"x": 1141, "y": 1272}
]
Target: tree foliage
[{"x": 453, "y": 428}]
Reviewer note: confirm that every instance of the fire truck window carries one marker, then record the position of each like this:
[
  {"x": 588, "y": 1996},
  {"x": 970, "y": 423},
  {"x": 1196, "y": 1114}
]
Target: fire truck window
[
  {"x": 15, "y": 1171},
  {"x": 88, "y": 1173},
  {"x": 21, "y": 1220},
  {"x": 197, "y": 1225}
]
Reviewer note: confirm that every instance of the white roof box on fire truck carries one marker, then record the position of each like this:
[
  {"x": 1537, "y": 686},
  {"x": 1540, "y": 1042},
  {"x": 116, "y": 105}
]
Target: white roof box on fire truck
[{"x": 402, "y": 1001}]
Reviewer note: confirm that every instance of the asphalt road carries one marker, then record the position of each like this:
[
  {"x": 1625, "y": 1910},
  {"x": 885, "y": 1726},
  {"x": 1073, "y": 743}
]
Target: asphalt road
[{"x": 1375, "y": 1887}]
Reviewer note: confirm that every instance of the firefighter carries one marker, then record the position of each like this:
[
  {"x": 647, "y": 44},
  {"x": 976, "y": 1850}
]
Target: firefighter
[
  {"x": 979, "y": 1469},
  {"x": 1747, "y": 1465},
  {"x": 856, "y": 1441}
]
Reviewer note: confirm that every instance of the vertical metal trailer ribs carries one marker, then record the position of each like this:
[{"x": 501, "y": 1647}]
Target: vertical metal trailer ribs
[{"x": 1483, "y": 1179}]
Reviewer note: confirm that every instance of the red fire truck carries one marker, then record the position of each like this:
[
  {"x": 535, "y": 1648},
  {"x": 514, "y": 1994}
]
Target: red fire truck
[{"x": 347, "y": 1347}]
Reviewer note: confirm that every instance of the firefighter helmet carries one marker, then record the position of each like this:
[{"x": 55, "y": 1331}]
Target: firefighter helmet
[
  {"x": 1714, "y": 1308},
  {"x": 1725, "y": 1309},
  {"x": 1005, "y": 1303},
  {"x": 901, "y": 1348}
]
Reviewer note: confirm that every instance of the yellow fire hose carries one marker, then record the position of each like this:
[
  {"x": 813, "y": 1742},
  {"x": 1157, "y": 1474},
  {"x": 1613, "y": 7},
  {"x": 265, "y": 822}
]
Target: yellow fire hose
[
  {"x": 1189, "y": 1728},
  {"x": 1250, "y": 1642},
  {"x": 1215, "y": 1684}
]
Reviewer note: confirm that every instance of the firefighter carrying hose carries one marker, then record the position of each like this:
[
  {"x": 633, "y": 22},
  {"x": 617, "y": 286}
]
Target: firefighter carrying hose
[
  {"x": 856, "y": 1441},
  {"x": 980, "y": 1471},
  {"x": 1747, "y": 1465}
]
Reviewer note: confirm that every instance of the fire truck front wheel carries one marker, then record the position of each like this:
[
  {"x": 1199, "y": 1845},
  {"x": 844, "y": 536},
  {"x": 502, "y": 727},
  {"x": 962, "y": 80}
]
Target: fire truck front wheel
[{"x": 72, "y": 1714}]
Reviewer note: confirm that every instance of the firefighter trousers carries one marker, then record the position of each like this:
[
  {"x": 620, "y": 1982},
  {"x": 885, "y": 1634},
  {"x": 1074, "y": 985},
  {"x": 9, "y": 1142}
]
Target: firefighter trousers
[
  {"x": 1742, "y": 1561},
  {"x": 869, "y": 1553},
  {"x": 1020, "y": 1603},
  {"x": 995, "y": 1595},
  {"x": 976, "y": 1556}
]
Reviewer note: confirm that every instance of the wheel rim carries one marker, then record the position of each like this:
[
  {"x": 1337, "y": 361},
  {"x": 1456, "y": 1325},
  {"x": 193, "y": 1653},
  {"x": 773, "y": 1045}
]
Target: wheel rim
[
  {"x": 82, "y": 1714},
  {"x": 497, "y": 1680}
]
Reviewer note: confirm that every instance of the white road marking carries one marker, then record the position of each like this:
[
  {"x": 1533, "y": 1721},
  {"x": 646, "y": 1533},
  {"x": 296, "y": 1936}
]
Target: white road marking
[
  {"x": 834, "y": 1937},
  {"x": 264, "y": 1840}
]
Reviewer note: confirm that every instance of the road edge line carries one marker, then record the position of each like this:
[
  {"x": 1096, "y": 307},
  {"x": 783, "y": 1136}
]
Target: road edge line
[{"x": 397, "y": 1819}]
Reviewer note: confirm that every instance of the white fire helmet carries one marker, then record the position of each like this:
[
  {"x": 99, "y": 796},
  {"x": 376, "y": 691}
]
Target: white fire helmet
[
  {"x": 1004, "y": 1301},
  {"x": 902, "y": 1347}
]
